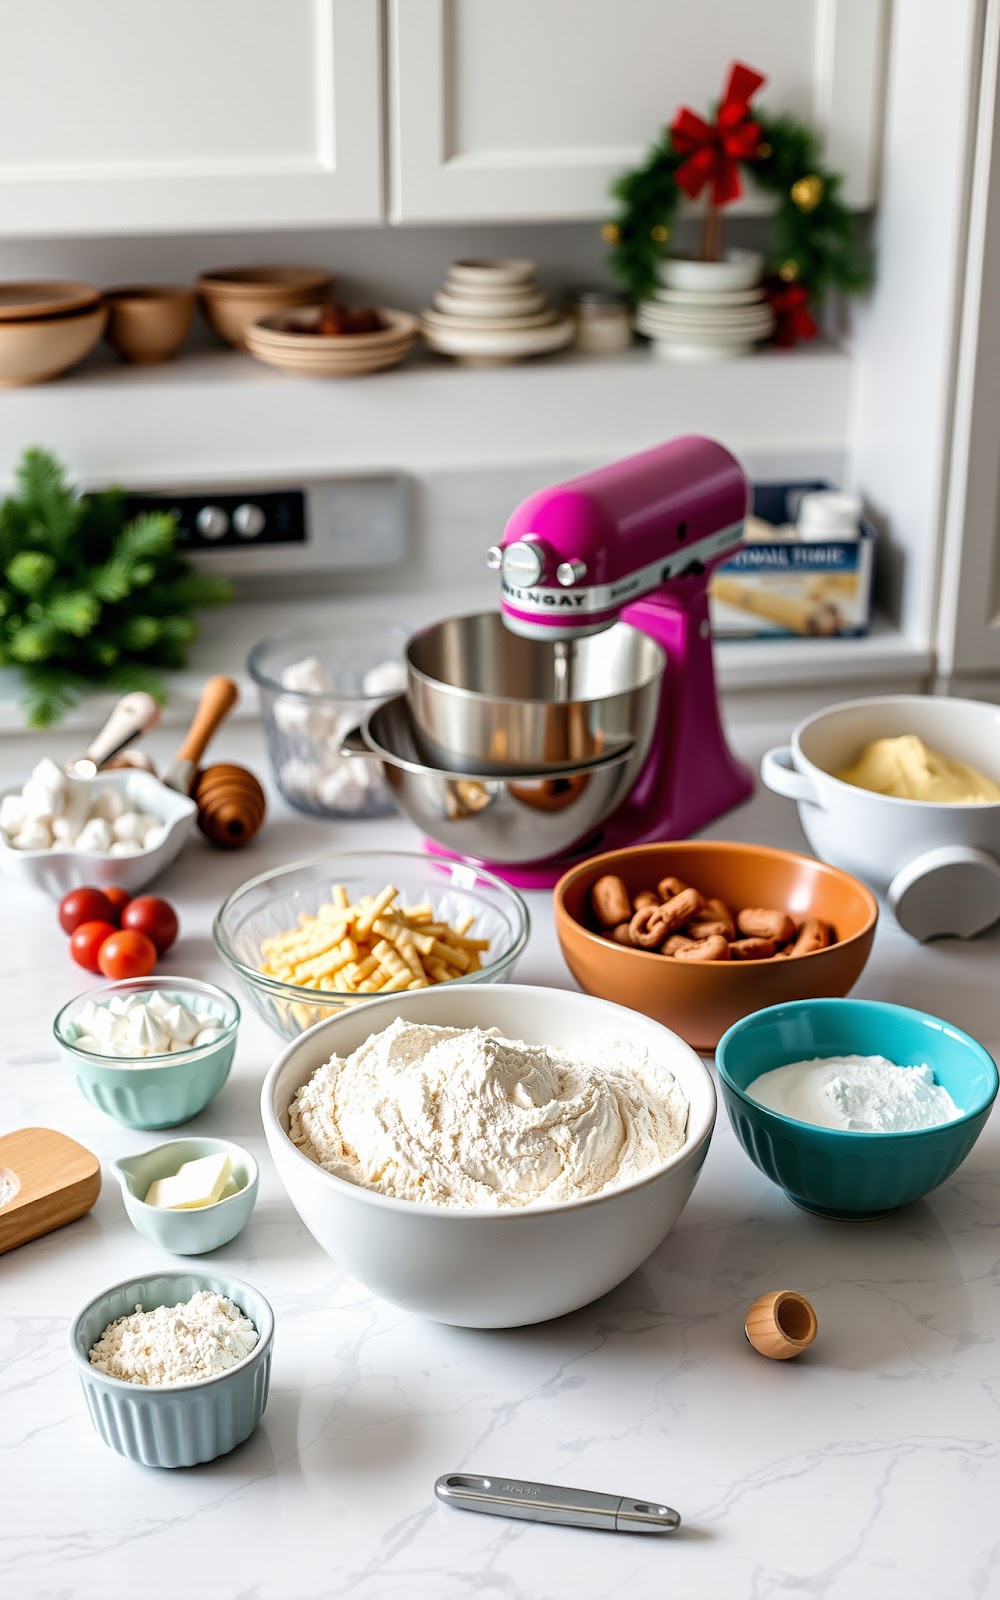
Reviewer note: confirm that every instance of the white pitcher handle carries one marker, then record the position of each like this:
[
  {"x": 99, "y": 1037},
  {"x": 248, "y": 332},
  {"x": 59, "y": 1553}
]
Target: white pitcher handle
[{"x": 781, "y": 775}]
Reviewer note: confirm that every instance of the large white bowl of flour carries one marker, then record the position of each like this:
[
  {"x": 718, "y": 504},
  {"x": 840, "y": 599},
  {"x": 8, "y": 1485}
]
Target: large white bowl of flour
[{"x": 505, "y": 1231}]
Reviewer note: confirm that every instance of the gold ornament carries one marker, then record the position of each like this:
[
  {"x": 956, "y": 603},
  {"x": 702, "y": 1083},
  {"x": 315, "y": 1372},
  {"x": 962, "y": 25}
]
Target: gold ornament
[
  {"x": 611, "y": 233},
  {"x": 659, "y": 234},
  {"x": 763, "y": 150},
  {"x": 788, "y": 271},
  {"x": 807, "y": 192}
]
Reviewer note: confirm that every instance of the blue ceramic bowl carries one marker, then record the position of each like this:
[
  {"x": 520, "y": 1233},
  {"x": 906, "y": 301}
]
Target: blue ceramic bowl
[
  {"x": 840, "y": 1173},
  {"x": 186, "y": 1233},
  {"x": 153, "y": 1091},
  {"x": 176, "y": 1425}
]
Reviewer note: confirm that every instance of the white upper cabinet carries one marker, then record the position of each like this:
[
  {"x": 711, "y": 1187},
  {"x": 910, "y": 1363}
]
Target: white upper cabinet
[
  {"x": 130, "y": 116},
  {"x": 528, "y": 108}
]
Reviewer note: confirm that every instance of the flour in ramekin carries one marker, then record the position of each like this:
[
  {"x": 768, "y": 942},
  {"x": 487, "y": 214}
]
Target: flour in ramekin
[{"x": 466, "y": 1117}]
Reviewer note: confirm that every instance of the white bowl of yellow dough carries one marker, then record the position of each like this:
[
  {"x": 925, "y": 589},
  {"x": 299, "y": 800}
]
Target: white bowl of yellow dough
[
  {"x": 904, "y": 792},
  {"x": 458, "y": 1188}
]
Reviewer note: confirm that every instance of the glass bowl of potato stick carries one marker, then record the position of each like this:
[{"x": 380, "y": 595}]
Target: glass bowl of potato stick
[{"x": 308, "y": 939}]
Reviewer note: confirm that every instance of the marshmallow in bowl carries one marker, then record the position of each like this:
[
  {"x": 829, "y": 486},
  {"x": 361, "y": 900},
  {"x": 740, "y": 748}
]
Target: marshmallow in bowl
[
  {"x": 133, "y": 1027},
  {"x": 316, "y": 772},
  {"x": 55, "y": 812}
]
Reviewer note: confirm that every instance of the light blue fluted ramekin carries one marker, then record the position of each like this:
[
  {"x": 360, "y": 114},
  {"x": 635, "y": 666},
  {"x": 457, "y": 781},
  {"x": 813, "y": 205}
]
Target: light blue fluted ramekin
[
  {"x": 153, "y": 1091},
  {"x": 186, "y": 1233},
  {"x": 841, "y": 1172},
  {"x": 174, "y": 1425}
]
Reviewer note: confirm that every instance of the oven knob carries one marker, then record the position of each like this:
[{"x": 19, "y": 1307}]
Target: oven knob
[
  {"x": 248, "y": 520},
  {"x": 524, "y": 562},
  {"x": 212, "y": 522},
  {"x": 570, "y": 572}
]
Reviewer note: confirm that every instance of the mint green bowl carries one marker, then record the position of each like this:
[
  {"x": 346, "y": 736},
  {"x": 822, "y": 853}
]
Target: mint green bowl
[
  {"x": 186, "y": 1233},
  {"x": 153, "y": 1091},
  {"x": 841, "y": 1173},
  {"x": 174, "y": 1425}
]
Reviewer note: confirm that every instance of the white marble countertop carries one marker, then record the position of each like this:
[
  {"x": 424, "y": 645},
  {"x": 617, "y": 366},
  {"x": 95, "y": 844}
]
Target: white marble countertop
[{"x": 870, "y": 1466}]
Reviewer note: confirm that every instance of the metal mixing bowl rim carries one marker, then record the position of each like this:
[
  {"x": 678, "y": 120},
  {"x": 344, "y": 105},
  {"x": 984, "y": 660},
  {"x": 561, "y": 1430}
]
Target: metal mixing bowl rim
[
  {"x": 420, "y": 769},
  {"x": 442, "y": 685},
  {"x": 295, "y": 992}
]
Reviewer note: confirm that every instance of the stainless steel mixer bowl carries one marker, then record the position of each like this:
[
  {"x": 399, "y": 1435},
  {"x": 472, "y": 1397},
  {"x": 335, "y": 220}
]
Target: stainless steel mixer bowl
[
  {"x": 521, "y": 817},
  {"x": 485, "y": 699}
]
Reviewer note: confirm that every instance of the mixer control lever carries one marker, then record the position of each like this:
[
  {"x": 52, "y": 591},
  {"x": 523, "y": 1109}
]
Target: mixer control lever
[
  {"x": 494, "y": 558},
  {"x": 524, "y": 562},
  {"x": 570, "y": 572}
]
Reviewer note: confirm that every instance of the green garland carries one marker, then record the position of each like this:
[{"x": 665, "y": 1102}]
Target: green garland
[{"x": 814, "y": 239}]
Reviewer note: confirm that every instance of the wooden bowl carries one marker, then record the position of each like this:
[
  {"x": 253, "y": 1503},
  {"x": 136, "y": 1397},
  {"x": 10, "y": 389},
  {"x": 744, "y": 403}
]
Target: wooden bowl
[
  {"x": 32, "y": 298},
  {"x": 232, "y": 298},
  {"x": 148, "y": 323},
  {"x": 700, "y": 1000},
  {"x": 32, "y": 351},
  {"x": 346, "y": 355}
]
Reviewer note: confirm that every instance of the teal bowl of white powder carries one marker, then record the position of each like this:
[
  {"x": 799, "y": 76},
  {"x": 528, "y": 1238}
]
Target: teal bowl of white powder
[
  {"x": 872, "y": 1156},
  {"x": 198, "y": 1379}
]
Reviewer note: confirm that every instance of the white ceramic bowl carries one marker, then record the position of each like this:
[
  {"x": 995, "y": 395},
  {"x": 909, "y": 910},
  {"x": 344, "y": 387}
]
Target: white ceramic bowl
[
  {"x": 500, "y": 345},
  {"x": 58, "y": 870},
  {"x": 739, "y": 269},
  {"x": 479, "y": 1268},
  {"x": 902, "y": 848}
]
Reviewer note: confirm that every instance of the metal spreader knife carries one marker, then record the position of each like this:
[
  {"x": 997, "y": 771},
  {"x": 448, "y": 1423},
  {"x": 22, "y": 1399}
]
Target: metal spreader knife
[{"x": 549, "y": 1502}]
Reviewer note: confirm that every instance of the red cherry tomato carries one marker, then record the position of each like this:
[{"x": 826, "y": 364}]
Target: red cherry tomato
[
  {"x": 86, "y": 941},
  {"x": 85, "y": 905},
  {"x": 126, "y": 955},
  {"x": 156, "y": 918},
  {"x": 119, "y": 899}
]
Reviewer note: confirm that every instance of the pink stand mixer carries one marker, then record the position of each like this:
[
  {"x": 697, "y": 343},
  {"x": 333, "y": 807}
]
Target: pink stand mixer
[{"x": 584, "y": 715}]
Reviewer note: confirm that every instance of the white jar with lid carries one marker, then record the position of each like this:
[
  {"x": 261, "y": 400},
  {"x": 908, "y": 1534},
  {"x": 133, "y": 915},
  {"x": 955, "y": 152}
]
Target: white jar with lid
[
  {"x": 826, "y": 514},
  {"x": 601, "y": 319}
]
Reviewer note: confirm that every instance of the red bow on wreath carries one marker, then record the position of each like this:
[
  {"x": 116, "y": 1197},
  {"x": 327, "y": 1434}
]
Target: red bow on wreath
[
  {"x": 792, "y": 322},
  {"x": 714, "y": 150}
]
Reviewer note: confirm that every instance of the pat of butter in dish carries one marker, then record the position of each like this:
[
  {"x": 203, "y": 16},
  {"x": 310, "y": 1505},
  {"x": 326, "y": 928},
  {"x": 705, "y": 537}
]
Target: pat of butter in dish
[
  {"x": 194, "y": 1185},
  {"x": 906, "y": 769},
  {"x": 855, "y": 1094}
]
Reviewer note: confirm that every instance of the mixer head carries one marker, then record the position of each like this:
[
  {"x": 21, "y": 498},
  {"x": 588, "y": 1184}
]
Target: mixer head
[{"x": 573, "y": 556}]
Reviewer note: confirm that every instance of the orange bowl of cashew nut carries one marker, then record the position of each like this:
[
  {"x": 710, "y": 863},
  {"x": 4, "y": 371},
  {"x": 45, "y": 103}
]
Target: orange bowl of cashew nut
[{"x": 699, "y": 933}]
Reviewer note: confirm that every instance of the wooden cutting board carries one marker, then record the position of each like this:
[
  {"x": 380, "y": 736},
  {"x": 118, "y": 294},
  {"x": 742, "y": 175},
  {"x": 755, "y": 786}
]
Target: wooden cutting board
[{"x": 59, "y": 1181}]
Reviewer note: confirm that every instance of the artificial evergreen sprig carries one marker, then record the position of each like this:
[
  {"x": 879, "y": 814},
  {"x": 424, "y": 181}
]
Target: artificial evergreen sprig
[{"x": 88, "y": 600}]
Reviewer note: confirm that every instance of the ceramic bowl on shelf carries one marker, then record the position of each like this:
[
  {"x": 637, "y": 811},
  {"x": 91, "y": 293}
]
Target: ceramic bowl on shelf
[
  {"x": 174, "y": 1425},
  {"x": 490, "y": 312},
  {"x": 938, "y": 865},
  {"x": 42, "y": 347},
  {"x": 838, "y": 1172},
  {"x": 37, "y": 298},
  {"x": 158, "y": 1091},
  {"x": 272, "y": 903},
  {"x": 478, "y": 1267},
  {"x": 232, "y": 298},
  {"x": 738, "y": 269},
  {"x": 702, "y": 999},
  {"x": 290, "y": 342},
  {"x": 147, "y": 323},
  {"x": 57, "y": 870},
  {"x": 314, "y": 688},
  {"x": 194, "y": 1232}
]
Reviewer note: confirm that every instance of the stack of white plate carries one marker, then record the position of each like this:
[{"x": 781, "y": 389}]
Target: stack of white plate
[
  {"x": 491, "y": 311},
  {"x": 704, "y": 325},
  {"x": 707, "y": 310}
]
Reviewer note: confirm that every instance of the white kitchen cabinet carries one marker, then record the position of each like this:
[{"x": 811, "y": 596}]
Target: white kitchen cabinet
[
  {"x": 528, "y": 108},
  {"x": 119, "y": 118}
]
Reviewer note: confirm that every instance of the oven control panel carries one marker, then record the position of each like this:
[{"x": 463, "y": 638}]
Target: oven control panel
[{"x": 283, "y": 537}]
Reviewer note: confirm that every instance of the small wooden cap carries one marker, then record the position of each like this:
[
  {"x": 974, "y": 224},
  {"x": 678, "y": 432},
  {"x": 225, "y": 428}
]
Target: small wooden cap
[{"x": 781, "y": 1324}]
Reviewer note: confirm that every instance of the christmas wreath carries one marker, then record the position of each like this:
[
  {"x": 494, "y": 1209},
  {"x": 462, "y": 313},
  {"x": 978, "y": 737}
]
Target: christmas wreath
[{"x": 814, "y": 244}]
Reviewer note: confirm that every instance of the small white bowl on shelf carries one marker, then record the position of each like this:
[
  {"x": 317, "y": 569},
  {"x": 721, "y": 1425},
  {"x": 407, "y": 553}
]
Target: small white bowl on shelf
[
  {"x": 491, "y": 312},
  {"x": 58, "y": 869},
  {"x": 738, "y": 269}
]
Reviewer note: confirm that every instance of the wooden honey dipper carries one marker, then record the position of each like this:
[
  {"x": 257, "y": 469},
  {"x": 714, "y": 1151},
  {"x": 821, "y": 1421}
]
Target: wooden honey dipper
[{"x": 230, "y": 803}]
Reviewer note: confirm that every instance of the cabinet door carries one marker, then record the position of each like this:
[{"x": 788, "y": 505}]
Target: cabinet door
[
  {"x": 118, "y": 117},
  {"x": 528, "y": 108},
  {"x": 969, "y": 611}
]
